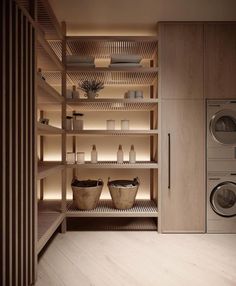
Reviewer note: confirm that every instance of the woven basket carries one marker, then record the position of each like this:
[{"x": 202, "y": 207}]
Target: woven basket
[
  {"x": 86, "y": 193},
  {"x": 123, "y": 197}
]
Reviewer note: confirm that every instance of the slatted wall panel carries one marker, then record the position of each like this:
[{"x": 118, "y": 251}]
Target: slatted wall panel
[{"x": 17, "y": 175}]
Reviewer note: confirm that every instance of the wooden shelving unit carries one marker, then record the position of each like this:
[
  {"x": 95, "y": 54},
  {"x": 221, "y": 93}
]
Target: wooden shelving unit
[
  {"x": 103, "y": 48},
  {"x": 48, "y": 98},
  {"x": 52, "y": 48}
]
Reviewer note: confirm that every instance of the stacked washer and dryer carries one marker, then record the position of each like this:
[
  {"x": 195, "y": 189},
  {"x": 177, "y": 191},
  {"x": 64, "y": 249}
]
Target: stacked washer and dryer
[{"x": 221, "y": 166}]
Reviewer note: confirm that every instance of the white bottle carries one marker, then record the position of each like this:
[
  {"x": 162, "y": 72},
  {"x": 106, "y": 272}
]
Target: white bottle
[
  {"x": 75, "y": 93},
  {"x": 94, "y": 155},
  {"x": 120, "y": 155},
  {"x": 132, "y": 155}
]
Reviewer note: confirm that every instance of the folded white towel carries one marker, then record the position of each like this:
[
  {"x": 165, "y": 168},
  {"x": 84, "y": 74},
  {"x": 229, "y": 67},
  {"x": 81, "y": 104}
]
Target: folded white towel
[
  {"x": 125, "y": 59},
  {"x": 128, "y": 65},
  {"x": 80, "y": 59}
]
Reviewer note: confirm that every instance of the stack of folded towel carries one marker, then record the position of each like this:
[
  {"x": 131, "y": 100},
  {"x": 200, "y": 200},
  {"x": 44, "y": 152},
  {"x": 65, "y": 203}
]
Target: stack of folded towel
[
  {"x": 81, "y": 61},
  {"x": 125, "y": 61}
]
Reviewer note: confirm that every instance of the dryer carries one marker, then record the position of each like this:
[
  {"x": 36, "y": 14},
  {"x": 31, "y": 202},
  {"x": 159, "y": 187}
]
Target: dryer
[
  {"x": 221, "y": 203},
  {"x": 221, "y": 135}
]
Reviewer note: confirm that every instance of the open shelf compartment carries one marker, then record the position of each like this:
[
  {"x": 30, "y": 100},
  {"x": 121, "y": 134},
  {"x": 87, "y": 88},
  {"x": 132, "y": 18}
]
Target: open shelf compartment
[
  {"x": 114, "y": 76},
  {"x": 104, "y": 46},
  {"x": 108, "y": 104}
]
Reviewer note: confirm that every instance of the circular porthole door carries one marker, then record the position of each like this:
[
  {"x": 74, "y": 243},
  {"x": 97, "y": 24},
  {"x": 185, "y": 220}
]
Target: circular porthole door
[
  {"x": 223, "y": 199},
  {"x": 223, "y": 127}
]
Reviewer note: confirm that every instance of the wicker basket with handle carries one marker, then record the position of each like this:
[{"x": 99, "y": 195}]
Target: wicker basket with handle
[
  {"x": 86, "y": 194},
  {"x": 123, "y": 192}
]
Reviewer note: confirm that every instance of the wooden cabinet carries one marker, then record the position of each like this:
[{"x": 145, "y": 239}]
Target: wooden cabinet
[
  {"x": 181, "y": 60},
  {"x": 182, "y": 179},
  {"x": 220, "y": 60}
]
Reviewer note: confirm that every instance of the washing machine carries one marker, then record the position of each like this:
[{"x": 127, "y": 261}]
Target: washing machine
[
  {"x": 221, "y": 135},
  {"x": 221, "y": 202}
]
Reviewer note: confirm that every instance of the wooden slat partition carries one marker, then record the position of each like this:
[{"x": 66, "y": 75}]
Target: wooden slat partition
[{"x": 17, "y": 176}]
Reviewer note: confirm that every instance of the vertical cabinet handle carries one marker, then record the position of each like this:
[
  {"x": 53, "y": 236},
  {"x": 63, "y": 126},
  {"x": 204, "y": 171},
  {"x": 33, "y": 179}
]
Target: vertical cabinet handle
[{"x": 169, "y": 160}]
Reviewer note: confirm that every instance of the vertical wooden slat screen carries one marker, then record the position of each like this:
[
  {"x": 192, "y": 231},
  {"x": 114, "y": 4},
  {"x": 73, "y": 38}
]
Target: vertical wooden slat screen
[{"x": 17, "y": 176}]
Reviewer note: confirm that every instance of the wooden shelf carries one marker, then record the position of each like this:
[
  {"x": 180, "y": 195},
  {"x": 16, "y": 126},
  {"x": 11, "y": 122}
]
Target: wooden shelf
[
  {"x": 115, "y": 165},
  {"x": 112, "y": 132},
  {"x": 114, "y": 76},
  {"x": 105, "y": 208},
  {"x": 47, "y": 225},
  {"x": 46, "y": 58},
  {"x": 47, "y": 168},
  {"x": 107, "y": 104},
  {"x": 46, "y": 93},
  {"x": 49, "y": 206},
  {"x": 104, "y": 46},
  {"x": 44, "y": 129}
]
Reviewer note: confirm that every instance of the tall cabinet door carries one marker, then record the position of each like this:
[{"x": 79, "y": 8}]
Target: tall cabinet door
[
  {"x": 220, "y": 60},
  {"x": 181, "y": 49},
  {"x": 182, "y": 168}
]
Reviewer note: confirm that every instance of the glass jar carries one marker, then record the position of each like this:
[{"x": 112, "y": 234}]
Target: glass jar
[
  {"x": 124, "y": 124},
  {"x": 110, "y": 124},
  {"x": 78, "y": 123},
  {"x": 70, "y": 158},
  {"x": 80, "y": 157}
]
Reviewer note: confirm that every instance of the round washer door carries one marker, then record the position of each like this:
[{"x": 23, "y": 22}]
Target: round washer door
[
  {"x": 223, "y": 199},
  {"x": 223, "y": 127}
]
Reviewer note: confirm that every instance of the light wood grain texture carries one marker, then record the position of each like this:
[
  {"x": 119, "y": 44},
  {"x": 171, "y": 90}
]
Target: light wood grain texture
[
  {"x": 220, "y": 60},
  {"x": 181, "y": 60},
  {"x": 137, "y": 259},
  {"x": 183, "y": 204},
  {"x": 47, "y": 225}
]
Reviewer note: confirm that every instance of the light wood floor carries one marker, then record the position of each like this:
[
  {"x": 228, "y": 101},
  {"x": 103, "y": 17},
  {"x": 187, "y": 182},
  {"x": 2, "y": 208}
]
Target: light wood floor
[{"x": 138, "y": 258}]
